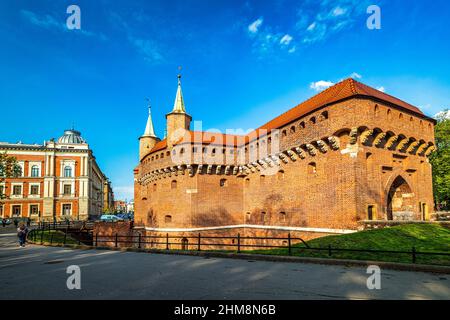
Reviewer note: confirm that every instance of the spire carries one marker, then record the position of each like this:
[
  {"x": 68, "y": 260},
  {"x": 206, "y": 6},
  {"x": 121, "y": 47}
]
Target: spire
[
  {"x": 149, "y": 131},
  {"x": 178, "y": 106}
]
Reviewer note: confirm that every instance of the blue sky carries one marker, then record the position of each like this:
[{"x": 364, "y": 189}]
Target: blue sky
[{"x": 243, "y": 63}]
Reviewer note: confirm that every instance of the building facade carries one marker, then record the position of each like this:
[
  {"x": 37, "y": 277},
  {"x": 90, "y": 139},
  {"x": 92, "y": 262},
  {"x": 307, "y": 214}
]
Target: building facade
[
  {"x": 58, "y": 180},
  {"x": 108, "y": 196},
  {"x": 351, "y": 153}
]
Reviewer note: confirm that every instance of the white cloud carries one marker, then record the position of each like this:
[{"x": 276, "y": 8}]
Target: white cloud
[
  {"x": 355, "y": 75},
  {"x": 254, "y": 26},
  {"x": 311, "y": 27},
  {"x": 338, "y": 11},
  {"x": 148, "y": 48},
  {"x": 293, "y": 49},
  {"x": 382, "y": 89},
  {"x": 286, "y": 39},
  {"x": 49, "y": 22},
  {"x": 320, "y": 85}
]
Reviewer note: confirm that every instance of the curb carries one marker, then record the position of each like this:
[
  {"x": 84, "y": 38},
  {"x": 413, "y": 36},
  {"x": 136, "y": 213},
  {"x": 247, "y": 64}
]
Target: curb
[{"x": 260, "y": 257}]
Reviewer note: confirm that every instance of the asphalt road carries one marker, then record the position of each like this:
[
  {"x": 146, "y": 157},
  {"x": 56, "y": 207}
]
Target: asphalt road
[{"x": 37, "y": 272}]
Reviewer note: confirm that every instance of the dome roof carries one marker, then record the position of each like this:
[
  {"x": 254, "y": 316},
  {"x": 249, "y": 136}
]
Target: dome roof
[{"x": 71, "y": 136}]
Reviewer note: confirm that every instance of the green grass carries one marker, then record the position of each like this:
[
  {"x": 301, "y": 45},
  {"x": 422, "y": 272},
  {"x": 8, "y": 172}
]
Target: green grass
[
  {"x": 424, "y": 237},
  {"x": 54, "y": 236}
]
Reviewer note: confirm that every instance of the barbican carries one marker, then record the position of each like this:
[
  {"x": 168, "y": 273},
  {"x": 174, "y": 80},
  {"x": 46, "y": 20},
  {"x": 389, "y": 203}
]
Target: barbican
[{"x": 348, "y": 155}]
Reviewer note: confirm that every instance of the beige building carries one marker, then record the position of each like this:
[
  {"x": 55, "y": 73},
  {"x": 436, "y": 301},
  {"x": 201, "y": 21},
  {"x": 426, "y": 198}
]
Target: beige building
[{"x": 59, "y": 179}]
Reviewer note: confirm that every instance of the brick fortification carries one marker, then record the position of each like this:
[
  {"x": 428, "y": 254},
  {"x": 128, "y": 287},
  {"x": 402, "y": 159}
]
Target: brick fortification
[{"x": 351, "y": 153}]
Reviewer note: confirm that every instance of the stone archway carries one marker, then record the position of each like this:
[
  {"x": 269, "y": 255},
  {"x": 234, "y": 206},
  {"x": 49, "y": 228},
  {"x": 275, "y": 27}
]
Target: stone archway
[{"x": 400, "y": 201}]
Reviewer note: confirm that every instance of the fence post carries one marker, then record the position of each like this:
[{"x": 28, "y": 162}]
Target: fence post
[
  {"x": 199, "y": 242},
  {"x": 413, "y": 254},
  {"x": 51, "y": 238},
  {"x": 329, "y": 250},
  {"x": 239, "y": 242},
  {"x": 116, "y": 240},
  {"x": 65, "y": 236},
  {"x": 96, "y": 239},
  {"x": 167, "y": 241},
  {"x": 42, "y": 236},
  {"x": 289, "y": 244},
  {"x": 139, "y": 245},
  {"x": 79, "y": 237}
]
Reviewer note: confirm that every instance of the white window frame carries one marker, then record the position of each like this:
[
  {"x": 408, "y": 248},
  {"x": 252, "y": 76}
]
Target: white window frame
[
  {"x": 12, "y": 195},
  {"x": 21, "y": 210},
  {"x": 67, "y": 163},
  {"x": 38, "y": 195},
  {"x": 38, "y": 210},
  {"x": 32, "y": 164},
  {"x": 62, "y": 208}
]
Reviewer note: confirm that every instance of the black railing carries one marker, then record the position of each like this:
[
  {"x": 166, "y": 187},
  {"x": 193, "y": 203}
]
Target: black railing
[{"x": 238, "y": 243}]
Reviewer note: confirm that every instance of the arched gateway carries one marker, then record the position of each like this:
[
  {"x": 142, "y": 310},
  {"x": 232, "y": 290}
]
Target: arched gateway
[{"x": 401, "y": 201}]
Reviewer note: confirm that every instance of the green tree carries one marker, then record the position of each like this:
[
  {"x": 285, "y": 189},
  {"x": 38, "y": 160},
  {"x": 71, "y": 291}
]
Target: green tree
[
  {"x": 440, "y": 160},
  {"x": 9, "y": 168}
]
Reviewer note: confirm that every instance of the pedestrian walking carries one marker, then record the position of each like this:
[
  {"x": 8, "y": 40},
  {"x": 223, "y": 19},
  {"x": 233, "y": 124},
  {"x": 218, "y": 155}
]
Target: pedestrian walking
[
  {"x": 4, "y": 222},
  {"x": 22, "y": 235},
  {"x": 28, "y": 221},
  {"x": 16, "y": 222}
]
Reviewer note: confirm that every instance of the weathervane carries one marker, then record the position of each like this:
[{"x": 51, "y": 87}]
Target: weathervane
[
  {"x": 179, "y": 74},
  {"x": 149, "y": 105}
]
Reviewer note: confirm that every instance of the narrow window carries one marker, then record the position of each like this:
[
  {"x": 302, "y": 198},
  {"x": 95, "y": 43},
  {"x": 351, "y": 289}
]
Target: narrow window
[
  {"x": 67, "y": 209},
  {"x": 293, "y": 129},
  {"x": 263, "y": 217},
  {"x": 34, "y": 190},
  {"x": 34, "y": 209},
  {"x": 35, "y": 171},
  {"x": 313, "y": 120},
  {"x": 248, "y": 217},
  {"x": 67, "y": 172},
  {"x": 154, "y": 187},
  {"x": 284, "y": 133},
  {"x": 312, "y": 169},
  {"x": 223, "y": 182},
  {"x": 280, "y": 175},
  {"x": 302, "y": 125},
  {"x": 173, "y": 184},
  {"x": 67, "y": 189},
  {"x": 17, "y": 190},
  {"x": 325, "y": 115},
  {"x": 168, "y": 219},
  {"x": 282, "y": 216},
  {"x": 371, "y": 212}
]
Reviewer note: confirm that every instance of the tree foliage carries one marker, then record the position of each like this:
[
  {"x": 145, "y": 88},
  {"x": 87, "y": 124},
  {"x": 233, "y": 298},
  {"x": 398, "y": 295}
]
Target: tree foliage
[
  {"x": 9, "y": 168},
  {"x": 440, "y": 161}
]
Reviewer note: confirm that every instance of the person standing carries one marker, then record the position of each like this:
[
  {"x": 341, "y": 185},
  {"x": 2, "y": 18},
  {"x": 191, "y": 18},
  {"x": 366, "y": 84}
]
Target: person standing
[
  {"x": 16, "y": 222},
  {"x": 3, "y": 222},
  {"x": 22, "y": 235}
]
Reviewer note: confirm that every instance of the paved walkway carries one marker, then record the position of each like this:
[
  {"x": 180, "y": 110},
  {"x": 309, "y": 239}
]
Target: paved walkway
[{"x": 37, "y": 272}]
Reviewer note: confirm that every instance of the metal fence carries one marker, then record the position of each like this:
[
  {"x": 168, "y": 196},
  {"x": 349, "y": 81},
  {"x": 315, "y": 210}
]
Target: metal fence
[{"x": 236, "y": 243}]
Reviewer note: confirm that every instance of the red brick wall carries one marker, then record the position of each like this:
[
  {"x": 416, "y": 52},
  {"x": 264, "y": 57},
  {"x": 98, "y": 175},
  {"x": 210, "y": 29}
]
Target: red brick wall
[{"x": 336, "y": 196}]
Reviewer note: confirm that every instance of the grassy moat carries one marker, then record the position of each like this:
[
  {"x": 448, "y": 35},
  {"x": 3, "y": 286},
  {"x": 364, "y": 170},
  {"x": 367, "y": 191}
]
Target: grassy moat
[{"x": 424, "y": 237}]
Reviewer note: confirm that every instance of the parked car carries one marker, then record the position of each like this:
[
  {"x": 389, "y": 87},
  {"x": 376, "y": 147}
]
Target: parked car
[
  {"x": 110, "y": 218},
  {"x": 8, "y": 221}
]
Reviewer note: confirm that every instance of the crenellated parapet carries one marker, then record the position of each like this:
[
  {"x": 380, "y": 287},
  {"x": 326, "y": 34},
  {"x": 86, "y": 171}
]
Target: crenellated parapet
[{"x": 367, "y": 138}]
